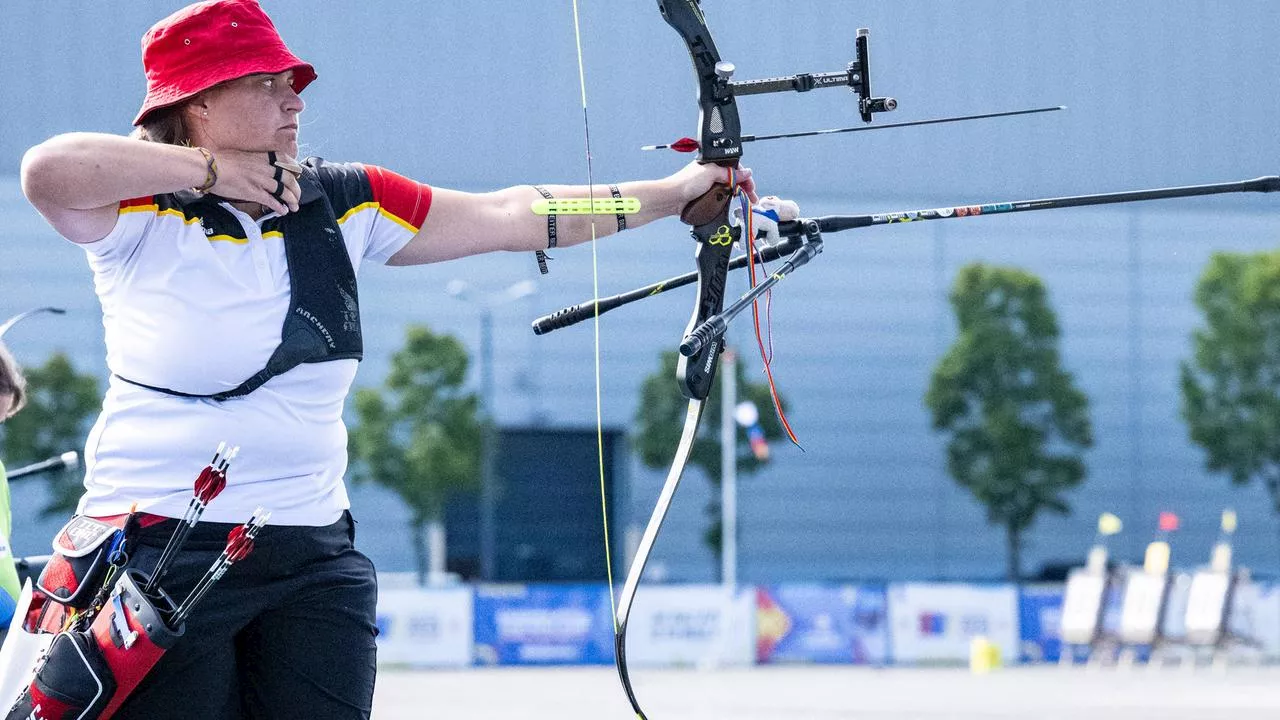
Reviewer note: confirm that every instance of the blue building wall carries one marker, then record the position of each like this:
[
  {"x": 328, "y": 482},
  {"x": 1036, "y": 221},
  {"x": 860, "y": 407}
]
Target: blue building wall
[{"x": 478, "y": 97}]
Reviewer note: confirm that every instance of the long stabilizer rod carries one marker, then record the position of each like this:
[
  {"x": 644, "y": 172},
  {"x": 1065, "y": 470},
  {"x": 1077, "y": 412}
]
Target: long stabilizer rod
[
  {"x": 792, "y": 231},
  {"x": 836, "y": 223}
]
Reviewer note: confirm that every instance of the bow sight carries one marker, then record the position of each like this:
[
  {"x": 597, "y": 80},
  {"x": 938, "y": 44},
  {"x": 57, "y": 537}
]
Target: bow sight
[{"x": 857, "y": 77}]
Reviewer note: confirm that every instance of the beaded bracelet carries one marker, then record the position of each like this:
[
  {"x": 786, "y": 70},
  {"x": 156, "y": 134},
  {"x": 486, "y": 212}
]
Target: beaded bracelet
[{"x": 210, "y": 173}]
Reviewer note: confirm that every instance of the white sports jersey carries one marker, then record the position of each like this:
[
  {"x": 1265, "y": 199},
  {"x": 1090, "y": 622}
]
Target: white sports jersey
[{"x": 193, "y": 300}]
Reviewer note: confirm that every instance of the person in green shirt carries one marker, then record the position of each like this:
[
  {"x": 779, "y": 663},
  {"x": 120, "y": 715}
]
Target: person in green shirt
[{"x": 13, "y": 396}]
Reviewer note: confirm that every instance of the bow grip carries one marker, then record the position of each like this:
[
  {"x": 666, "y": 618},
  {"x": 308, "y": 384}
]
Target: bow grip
[{"x": 708, "y": 206}]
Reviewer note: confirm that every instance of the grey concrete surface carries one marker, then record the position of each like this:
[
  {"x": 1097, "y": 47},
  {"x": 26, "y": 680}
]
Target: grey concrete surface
[{"x": 834, "y": 693}]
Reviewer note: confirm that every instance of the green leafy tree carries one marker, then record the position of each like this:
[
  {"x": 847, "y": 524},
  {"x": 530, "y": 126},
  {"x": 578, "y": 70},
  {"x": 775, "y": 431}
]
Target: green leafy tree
[
  {"x": 419, "y": 435},
  {"x": 660, "y": 420},
  {"x": 1231, "y": 388},
  {"x": 1018, "y": 425},
  {"x": 62, "y": 404}
]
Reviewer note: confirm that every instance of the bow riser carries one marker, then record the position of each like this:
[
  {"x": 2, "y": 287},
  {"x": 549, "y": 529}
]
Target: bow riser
[
  {"x": 720, "y": 142},
  {"x": 696, "y": 373},
  {"x": 718, "y": 127}
]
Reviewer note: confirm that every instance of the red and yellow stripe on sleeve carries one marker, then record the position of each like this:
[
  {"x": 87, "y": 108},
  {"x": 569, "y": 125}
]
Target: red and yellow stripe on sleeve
[
  {"x": 399, "y": 199},
  {"x": 140, "y": 204}
]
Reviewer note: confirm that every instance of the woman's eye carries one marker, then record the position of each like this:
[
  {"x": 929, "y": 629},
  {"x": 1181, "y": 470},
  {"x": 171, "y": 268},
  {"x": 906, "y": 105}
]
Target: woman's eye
[{"x": 269, "y": 83}]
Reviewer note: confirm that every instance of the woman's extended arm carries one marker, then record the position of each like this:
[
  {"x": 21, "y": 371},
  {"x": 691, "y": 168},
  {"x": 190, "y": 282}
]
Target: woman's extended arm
[{"x": 462, "y": 224}]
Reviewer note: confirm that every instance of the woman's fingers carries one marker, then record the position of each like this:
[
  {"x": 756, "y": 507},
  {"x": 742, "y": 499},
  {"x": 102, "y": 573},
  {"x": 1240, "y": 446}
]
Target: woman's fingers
[
  {"x": 289, "y": 164},
  {"x": 285, "y": 189},
  {"x": 747, "y": 182},
  {"x": 274, "y": 201},
  {"x": 269, "y": 179},
  {"x": 696, "y": 178},
  {"x": 292, "y": 191}
]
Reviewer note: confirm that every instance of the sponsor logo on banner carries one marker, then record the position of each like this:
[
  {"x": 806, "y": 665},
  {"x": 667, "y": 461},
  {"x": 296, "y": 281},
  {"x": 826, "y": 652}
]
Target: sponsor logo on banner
[
  {"x": 932, "y": 623},
  {"x": 691, "y": 625},
  {"x": 697, "y": 625},
  {"x": 821, "y": 623},
  {"x": 1040, "y": 622},
  {"x": 938, "y": 622},
  {"x": 543, "y": 625},
  {"x": 425, "y": 627}
]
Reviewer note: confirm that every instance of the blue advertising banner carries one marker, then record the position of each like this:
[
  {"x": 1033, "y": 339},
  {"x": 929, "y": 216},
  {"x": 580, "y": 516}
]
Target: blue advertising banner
[
  {"x": 543, "y": 625},
  {"x": 821, "y": 624},
  {"x": 1040, "y": 617}
]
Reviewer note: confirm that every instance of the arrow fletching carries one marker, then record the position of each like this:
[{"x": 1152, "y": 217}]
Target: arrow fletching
[{"x": 684, "y": 145}]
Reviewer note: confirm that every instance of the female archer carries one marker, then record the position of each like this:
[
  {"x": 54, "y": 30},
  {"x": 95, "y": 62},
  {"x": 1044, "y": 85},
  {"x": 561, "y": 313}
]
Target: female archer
[{"x": 226, "y": 269}]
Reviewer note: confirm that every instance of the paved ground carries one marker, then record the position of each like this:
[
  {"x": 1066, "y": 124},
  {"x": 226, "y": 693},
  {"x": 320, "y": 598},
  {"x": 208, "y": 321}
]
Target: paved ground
[{"x": 833, "y": 693}]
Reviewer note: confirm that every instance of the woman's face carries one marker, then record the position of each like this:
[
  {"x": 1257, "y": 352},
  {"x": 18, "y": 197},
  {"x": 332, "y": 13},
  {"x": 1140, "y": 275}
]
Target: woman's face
[{"x": 255, "y": 113}]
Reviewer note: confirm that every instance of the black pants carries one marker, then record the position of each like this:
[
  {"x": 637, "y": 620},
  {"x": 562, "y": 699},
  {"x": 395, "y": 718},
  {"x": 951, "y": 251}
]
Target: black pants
[{"x": 288, "y": 632}]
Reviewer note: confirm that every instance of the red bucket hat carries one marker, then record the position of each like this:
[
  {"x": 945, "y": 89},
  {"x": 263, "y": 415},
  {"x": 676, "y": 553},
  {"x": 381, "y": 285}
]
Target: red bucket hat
[{"x": 208, "y": 43}]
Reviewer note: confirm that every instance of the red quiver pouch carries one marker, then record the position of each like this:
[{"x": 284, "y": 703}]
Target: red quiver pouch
[
  {"x": 73, "y": 682},
  {"x": 80, "y": 560},
  {"x": 89, "y": 673}
]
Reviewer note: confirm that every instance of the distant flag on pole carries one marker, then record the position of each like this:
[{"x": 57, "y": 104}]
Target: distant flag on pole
[
  {"x": 1228, "y": 521},
  {"x": 759, "y": 446},
  {"x": 1168, "y": 521},
  {"x": 1109, "y": 524},
  {"x": 748, "y": 416}
]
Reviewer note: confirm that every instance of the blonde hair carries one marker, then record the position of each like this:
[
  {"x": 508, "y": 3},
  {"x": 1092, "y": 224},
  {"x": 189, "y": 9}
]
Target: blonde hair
[
  {"x": 12, "y": 382},
  {"x": 166, "y": 125}
]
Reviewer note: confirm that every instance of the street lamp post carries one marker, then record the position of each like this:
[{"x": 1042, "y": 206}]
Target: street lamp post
[
  {"x": 460, "y": 290},
  {"x": 488, "y": 501},
  {"x": 728, "y": 470}
]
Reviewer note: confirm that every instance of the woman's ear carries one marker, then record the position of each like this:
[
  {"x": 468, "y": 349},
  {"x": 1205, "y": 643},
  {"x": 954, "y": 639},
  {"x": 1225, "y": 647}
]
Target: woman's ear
[{"x": 197, "y": 108}]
